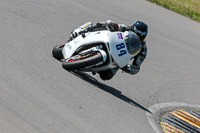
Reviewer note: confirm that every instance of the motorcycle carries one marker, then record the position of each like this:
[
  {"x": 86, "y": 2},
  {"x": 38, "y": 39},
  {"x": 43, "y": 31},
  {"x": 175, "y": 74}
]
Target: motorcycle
[{"x": 98, "y": 51}]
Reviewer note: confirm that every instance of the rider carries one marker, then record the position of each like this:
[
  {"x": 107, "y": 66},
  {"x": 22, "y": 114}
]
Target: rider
[{"x": 139, "y": 27}]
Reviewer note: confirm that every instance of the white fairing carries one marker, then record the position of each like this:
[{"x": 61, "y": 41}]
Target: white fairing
[
  {"x": 72, "y": 46},
  {"x": 118, "y": 49},
  {"x": 114, "y": 41}
]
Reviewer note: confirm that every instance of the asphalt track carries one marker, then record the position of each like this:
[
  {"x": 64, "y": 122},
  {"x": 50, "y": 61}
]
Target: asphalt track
[{"x": 38, "y": 96}]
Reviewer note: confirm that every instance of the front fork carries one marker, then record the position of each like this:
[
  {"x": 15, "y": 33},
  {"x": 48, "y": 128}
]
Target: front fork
[{"x": 95, "y": 49}]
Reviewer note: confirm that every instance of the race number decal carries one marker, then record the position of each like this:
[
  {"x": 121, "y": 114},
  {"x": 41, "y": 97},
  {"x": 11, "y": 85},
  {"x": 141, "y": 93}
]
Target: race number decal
[
  {"x": 120, "y": 48},
  {"x": 119, "y": 36}
]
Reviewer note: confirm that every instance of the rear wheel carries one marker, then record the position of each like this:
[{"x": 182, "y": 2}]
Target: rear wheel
[
  {"x": 57, "y": 51},
  {"x": 81, "y": 61}
]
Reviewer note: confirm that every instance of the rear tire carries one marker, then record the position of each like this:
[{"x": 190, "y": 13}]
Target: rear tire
[
  {"x": 57, "y": 51},
  {"x": 80, "y": 61}
]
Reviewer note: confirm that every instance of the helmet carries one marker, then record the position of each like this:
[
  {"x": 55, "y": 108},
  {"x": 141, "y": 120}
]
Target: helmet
[{"x": 141, "y": 29}]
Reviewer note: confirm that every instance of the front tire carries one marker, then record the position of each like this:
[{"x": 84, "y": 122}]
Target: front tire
[
  {"x": 81, "y": 61},
  {"x": 57, "y": 51}
]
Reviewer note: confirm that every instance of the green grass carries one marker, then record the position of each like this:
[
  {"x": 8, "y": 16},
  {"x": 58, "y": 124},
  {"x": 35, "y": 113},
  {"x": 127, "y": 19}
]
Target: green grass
[{"x": 189, "y": 8}]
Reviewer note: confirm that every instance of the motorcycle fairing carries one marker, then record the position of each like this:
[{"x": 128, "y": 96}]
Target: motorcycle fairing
[
  {"x": 91, "y": 37},
  {"x": 115, "y": 40},
  {"x": 118, "y": 49}
]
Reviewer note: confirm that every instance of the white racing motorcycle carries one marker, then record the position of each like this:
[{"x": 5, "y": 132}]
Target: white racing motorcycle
[{"x": 98, "y": 51}]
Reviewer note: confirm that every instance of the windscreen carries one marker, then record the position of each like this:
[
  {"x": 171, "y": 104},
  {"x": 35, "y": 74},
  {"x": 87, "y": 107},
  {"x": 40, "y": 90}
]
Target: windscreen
[{"x": 133, "y": 43}]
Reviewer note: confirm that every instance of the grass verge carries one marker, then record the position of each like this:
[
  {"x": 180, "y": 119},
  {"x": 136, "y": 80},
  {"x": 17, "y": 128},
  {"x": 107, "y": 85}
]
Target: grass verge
[{"x": 189, "y": 8}]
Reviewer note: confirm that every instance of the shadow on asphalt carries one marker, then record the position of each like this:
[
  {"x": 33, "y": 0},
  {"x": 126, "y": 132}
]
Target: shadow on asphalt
[{"x": 107, "y": 88}]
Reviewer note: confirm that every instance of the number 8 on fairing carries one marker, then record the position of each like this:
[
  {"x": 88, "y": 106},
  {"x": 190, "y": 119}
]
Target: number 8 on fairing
[{"x": 120, "y": 46}]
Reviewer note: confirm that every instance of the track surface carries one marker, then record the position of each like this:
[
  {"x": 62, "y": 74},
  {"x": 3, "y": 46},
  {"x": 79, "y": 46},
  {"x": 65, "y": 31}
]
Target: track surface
[{"x": 38, "y": 96}]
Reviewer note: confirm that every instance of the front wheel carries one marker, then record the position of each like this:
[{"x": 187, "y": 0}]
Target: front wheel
[
  {"x": 81, "y": 61},
  {"x": 57, "y": 51}
]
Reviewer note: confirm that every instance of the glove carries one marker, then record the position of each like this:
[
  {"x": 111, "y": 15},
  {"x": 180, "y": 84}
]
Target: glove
[
  {"x": 77, "y": 32},
  {"x": 111, "y": 26},
  {"x": 74, "y": 34},
  {"x": 127, "y": 68}
]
